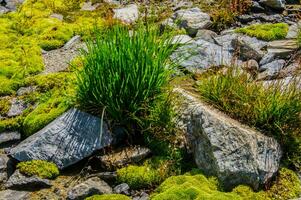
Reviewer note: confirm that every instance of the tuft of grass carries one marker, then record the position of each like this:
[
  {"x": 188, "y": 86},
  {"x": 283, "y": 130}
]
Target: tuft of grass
[
  {"x": 273, "y": 109},
  {"x": 41, "y": 168},
  {"x": 266, "y": 32},
  {"x": 123, "y": 71}
]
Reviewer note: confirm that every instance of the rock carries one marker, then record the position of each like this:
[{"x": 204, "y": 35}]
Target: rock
[
  {"x": 14, "y": 195},
  {"x": 19, "y": 181},
  {"x": 6, "y": 168},
  {"x": 26, "y": 90},
  {"x": 182, "y": 39},
  {"x": 249, "y": 47},
  {"x": 206, "y": 35},
  {"x": 293, "y": 31},
  {"x": 106, "y": 176},
  {"x": 142, "y": 196},
  {"x": 123, "y": 157},
  {"x": 224, "y": 148},
  {"x": 17, "y": 107},
  {"x": 9, "y": 137},
  {"x": 275, "y": 4},
  {"x": 226, "y": 40},
  {"x": 282, "y": 48},
  {"x": 291, "y": 70},
  {"x": 87, "y": 6},
  {"x": 88, "y": 188},
  {"x": 267, "y": 58},
  {"x": 250, "y": 65},
  {"x": 70, "y": 138},
  {"x": 127, "y": 14},
  {"x": 285, "y": 82},
  {"x": 74, "y": 40},
  {"x": 202, "y": 55},
  {"x": 192, "y": 20},
  {"x": 256, "y": 8},
  {"x": 3, "y": 10},
  {"x": 57, "y": 16},
  {"x": 271, "y": 70},
  {"x": 12, "y": 4},
  {"x": 122, "y": 188}
]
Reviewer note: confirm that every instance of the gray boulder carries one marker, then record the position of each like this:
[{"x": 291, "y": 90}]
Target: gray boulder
[
  {"x": 70, "y": 138},
  {"x": 271, "y": 70},
  {"x": 206, "y": 35},
  {"x": 276, "y": 4},
  {"x": 128, "y": 14},
  {"x": 249, "y": 47},
  {"x": 12, "y": 4},
  {"x": 88, "y": 188},
  {"x": 182, "y": 39},
  {"x": 192, "y": 20},
  {"x": 14, "y": 195},
  {"x": 3, "y": 10},
  {"x": 5, "y": 168},
  {"x": 202, "y": 55},
  {"x": 19, "y": 181},
  {"x": 122, "y": 188},
  {"x": 224, "y": 148}
]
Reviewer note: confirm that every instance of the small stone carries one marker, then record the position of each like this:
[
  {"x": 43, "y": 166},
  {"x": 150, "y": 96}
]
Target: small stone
[
  {"x": 251, "y": 65},
  {"x": 127, "y": 14},
  {"x": 57, "y": 16},
  {"x": 182, "y": 39},
  {"x": 142, "y": 196},
  {"x": 122, "y": 188},
  {"x": 20, "y": 181},
  {"x": 88, "y": 188},
  {"x": 14, "y": 195},
  {"x": 74, "y": 40},
  {"x": 25, "y": 90},
  {"x": 88, "y": 6},
  {"x": 9, "y": 137},
  {"x": 17, "y": 107}
]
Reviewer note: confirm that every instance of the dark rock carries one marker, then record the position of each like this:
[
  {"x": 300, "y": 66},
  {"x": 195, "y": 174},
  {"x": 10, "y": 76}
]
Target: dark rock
[
  {"x": 122, "y": 188},
  {"x": 14, "y": 195},
  {"x": 123, "y": 157},
  {"x": 256, "y": 8},
  {"x": 88, "y": 188},
  {"x": 106, "y": 176},
  {"x": 224, "y": 148},
  {"x": 70, "y": 138},
  {"x": 17, "y": 107},
  {"x": 19, "y": 181},
  {"x": 275, "y": 4},
  {"x": 5, "y": 168}
]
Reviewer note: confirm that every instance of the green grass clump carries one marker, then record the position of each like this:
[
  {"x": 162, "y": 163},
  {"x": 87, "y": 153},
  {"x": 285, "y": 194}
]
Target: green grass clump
[
  {"x": 109, "y": 197},
  {"x": 42, "y": 169},
  {"x": 273, "y": 109},
  {"x": 266, "y": 32},
  {"x": 138, "y": 176},
  {"x": 123, "y": 71}
]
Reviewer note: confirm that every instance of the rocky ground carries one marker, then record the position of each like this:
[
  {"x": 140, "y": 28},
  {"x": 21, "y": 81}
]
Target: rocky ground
[{"x": 80, "y": 144}]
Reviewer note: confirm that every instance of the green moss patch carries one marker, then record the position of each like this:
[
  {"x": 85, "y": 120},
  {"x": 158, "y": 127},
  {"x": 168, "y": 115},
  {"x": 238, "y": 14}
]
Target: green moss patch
[
  {"x": 40, "y": 168},
  {"x": 266, "y": 31},
  {"x": 108, "y": 197}
]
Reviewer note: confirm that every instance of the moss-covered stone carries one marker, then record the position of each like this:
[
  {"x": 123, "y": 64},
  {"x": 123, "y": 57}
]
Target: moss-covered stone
[
  {"x": 266, "y": 31},
  {"x": 108, "y": 197},
  {"x": 4, "y": 106},
  {"x": 41, "y": 168},
  {"x": 138, "y": 176}
]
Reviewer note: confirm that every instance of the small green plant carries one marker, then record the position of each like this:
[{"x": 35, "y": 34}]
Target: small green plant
[
  {"x": 109, "y": 197},
  {"x": 40, "y": 168},
  {"x": 124, "y": 70},
  {"x": 266, "y": 31}
]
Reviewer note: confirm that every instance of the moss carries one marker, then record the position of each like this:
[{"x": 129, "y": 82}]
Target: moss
[
  {"x": 4, "y": 106},
  {"x": 10, "y": 124},
  {"x": 286, "y": 186},
  {"x": 266, "y": 31},
  {"x": 108, "y": 197},
  {"x": 138, "y": 176},
  {"x": 40, "y": 168}
]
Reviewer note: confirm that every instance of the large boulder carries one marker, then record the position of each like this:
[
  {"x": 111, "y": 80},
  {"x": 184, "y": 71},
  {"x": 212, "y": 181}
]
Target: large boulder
[
  {"x": 128, "y": 14},
  {"x": 223, "y": 147},
  {"x": 201, "y": 55},
  {"x": 192, "y": 20},
  {"x": 282, "y": 48},
  {"x": 70, "y": 138}
]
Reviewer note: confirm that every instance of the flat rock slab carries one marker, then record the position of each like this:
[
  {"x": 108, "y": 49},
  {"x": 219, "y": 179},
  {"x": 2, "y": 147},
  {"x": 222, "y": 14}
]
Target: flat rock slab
[
  {"x": 14, "y": 195},
  {"x": 224, "y": 148},
  {"x": 70, "y": 138},
  {"x": 19, "y": 181}
]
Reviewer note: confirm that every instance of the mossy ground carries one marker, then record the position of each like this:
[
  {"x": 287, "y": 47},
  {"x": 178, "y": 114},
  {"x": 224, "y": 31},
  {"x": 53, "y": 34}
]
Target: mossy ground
[
  {"x": 108, "y": 197},
  {"x": 266, "y": 32},
  {"x": 40, "y": 168}
]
